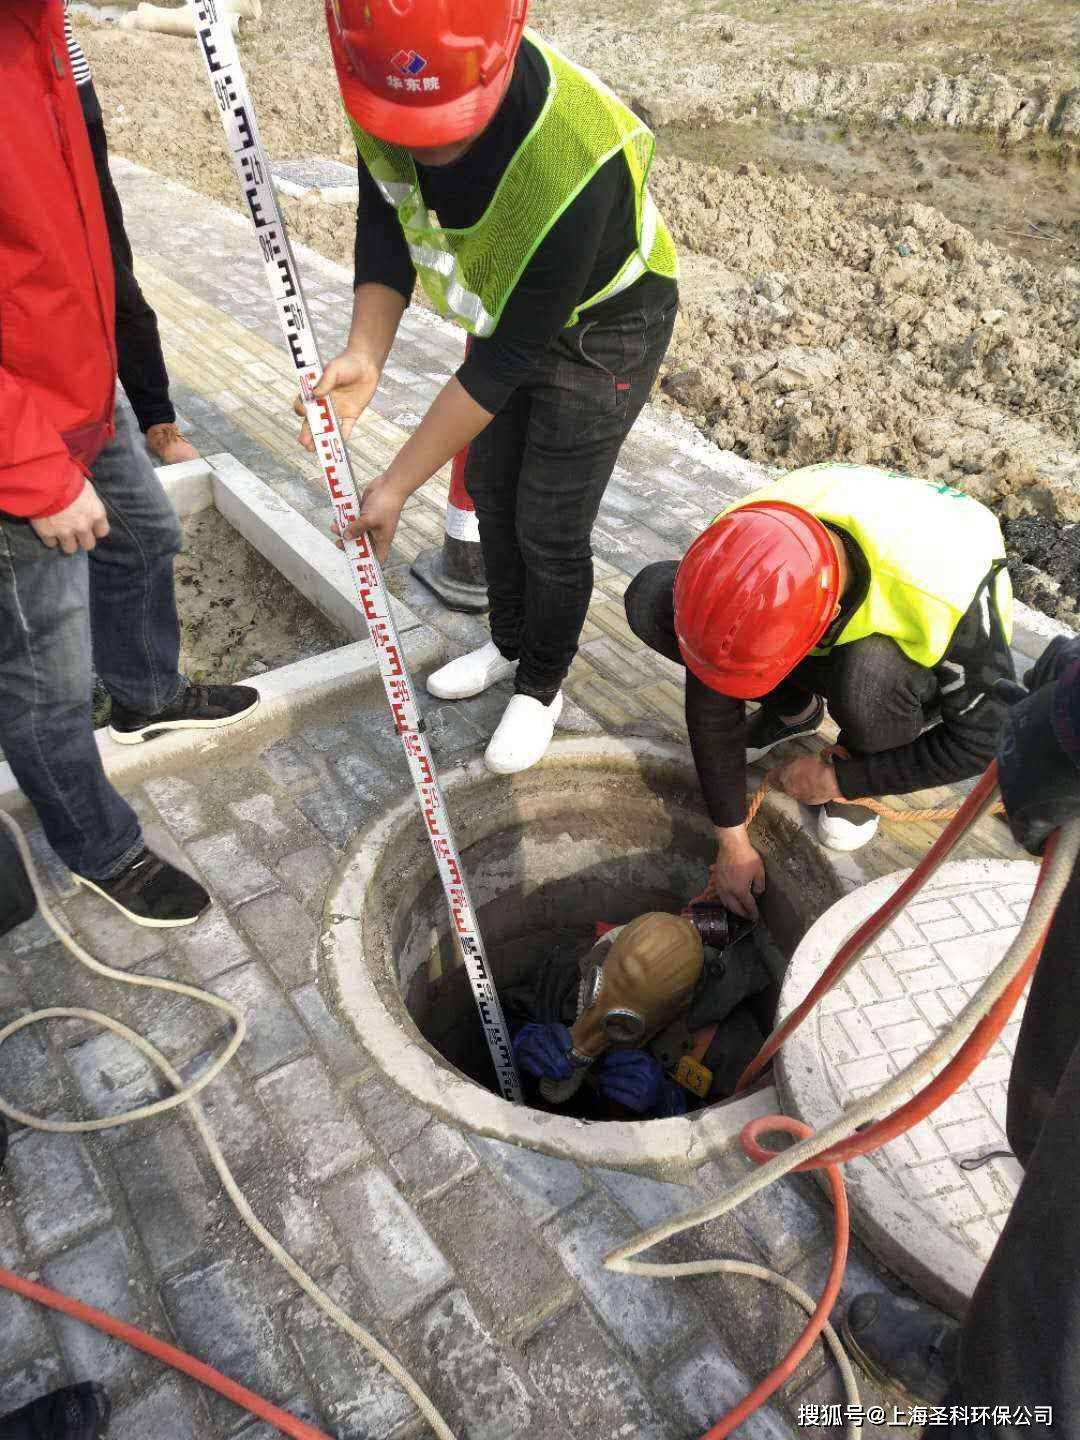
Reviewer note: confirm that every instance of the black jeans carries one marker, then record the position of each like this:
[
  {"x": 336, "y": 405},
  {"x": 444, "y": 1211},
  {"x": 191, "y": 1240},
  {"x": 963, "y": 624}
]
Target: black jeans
[
  {"x": 139, "y": 360},
  {"x": 879, "y": 698},
  {"x": 1021, "y": 1340},
  {"x": 536, "y": 476}
]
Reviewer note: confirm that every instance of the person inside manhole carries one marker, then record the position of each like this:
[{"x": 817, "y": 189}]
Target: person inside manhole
[
  {"x": 659, "y": 1016},
  {"x": 884, "y": 597},
  {"x": 513, "y": 184}
]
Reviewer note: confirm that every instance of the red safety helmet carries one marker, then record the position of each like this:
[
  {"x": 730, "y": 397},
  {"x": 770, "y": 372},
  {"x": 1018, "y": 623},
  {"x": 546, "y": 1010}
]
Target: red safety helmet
[
  {"x": 754, "y": 594},
  {"x": 423, "y": 73}
]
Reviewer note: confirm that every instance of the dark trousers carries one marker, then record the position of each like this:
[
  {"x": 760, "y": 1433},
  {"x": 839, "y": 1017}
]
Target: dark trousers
[
  {"x": 139, "y": 360},
  {"x": 1021, "y": 1340},
  {"x": 116, "y": 606},
  {"x": 536, "y": 476}
]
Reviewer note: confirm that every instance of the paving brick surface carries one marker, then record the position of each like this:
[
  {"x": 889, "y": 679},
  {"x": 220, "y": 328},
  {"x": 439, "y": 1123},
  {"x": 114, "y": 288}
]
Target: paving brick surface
[
  {"x": 915, "y": 978},
  {"x": 389, "y": 1248},
  {"x": 476, "y": 1261}
]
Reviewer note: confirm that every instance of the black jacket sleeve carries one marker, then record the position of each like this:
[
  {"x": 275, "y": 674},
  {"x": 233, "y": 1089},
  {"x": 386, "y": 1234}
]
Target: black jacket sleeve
[
  {"x": 380, "y": 254},
  {"x": 717, "y": 728},
  {"x": 964, "y": 740},
  {"x": 552, "y": 283}
]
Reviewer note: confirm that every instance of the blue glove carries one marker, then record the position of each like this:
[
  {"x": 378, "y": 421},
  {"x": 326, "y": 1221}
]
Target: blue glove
[
  {"x": 632, "y": 1078},
  {"x": 544, "y": 1051},
  {"x": 672, "y": 1101}
]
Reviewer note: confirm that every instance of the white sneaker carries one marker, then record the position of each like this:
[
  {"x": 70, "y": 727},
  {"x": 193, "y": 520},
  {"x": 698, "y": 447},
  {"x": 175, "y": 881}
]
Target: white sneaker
[
  {"x": 470, "y": 674},
  {"x": 524, "y": 733},
  {"x": 846, "y": 827}
]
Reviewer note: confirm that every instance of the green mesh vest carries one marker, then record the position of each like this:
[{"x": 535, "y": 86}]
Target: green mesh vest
[{"x": 470, "y": 274}]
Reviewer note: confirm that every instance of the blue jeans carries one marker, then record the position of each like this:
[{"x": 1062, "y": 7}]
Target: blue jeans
[{"x": 115, "y": 604}]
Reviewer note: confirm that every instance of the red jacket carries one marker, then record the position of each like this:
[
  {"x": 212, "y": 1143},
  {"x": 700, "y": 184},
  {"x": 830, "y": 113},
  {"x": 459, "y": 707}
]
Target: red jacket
[{"x": 57, "y": 349}]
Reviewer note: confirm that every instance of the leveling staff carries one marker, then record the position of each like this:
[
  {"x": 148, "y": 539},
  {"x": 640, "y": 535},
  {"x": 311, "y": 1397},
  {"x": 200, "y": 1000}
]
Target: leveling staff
[{"x": 513, "y": 185}]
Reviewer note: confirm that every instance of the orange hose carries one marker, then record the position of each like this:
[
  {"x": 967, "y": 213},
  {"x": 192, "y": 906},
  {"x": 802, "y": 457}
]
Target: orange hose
[
  {"x": 166, "y": 1353},
  {"x": 791, "y": 1361}
]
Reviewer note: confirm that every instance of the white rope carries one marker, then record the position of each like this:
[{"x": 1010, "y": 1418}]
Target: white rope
[{"x": 186, "y": 1095}]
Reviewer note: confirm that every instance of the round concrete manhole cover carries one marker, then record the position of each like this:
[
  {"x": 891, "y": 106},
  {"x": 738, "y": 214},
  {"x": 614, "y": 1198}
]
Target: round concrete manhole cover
[{"x": 926, "y": 1216}]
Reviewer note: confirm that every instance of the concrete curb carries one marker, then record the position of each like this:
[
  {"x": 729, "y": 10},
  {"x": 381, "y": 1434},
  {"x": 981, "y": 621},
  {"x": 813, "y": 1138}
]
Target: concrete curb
[
  {"x": 188, "y": 485},
  {"x": 308, "y": 559}
]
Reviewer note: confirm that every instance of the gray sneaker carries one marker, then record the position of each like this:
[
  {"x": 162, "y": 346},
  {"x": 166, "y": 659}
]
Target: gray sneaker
[{"x": 764, "y": 730}]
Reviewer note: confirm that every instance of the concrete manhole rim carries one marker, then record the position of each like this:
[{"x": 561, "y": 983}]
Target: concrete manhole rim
[
  {"x": 901, "y": 1233},
  {"x": 389, "y": 1035}
]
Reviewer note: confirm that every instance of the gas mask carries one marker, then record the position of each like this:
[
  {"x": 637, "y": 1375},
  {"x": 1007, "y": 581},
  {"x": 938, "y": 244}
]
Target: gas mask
[{"x": 634, "y": 982}]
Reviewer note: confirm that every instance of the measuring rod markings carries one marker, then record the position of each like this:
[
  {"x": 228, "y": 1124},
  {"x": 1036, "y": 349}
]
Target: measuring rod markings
[{"x": 249, "y": 161}]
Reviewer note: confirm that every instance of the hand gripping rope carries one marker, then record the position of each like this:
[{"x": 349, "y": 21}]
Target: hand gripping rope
[{"x": 249, "y": 161}]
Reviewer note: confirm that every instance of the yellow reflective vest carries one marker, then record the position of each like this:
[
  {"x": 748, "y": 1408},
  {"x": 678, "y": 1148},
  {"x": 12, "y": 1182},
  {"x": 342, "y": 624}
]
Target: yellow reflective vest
[
  {"x": 470, "y": 274},
  {"x": 930, "y": 551}
]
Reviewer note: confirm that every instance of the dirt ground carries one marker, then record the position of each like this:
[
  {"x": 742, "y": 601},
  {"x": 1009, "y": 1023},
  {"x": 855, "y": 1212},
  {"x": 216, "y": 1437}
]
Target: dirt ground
[
  {"x": 877, "y": 208},
  {"x": 238, "y": 615}
]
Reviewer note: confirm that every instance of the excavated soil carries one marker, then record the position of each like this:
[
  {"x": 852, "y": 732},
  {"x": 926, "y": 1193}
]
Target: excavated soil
[
  {"x": 238, "y": 615},
  {"x": 877, "y": 208}
]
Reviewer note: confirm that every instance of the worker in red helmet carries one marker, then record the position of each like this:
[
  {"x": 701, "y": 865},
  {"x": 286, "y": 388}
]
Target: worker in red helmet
[
  {"x": 880, "y": 596},
  {"x": 512, "y": 184}
]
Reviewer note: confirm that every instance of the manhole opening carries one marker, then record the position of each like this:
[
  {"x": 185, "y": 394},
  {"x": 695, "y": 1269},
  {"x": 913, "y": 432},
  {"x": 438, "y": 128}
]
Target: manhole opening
[{"x": 541, "y": 886}]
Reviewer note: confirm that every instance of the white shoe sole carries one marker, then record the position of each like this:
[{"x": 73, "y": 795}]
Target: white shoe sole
[
  {"x": 144, "y": 920},
  {"x": 459, "y": 692},
  {"x": 137, "y": 737},
  {"x": 556, "y": 711},
  {"x": 848, "y": 839}
]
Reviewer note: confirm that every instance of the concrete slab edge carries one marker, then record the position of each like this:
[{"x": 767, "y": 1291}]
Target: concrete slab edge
[
  {"x": 188, "y": 485},
  {"x": 308, "y": 559}
]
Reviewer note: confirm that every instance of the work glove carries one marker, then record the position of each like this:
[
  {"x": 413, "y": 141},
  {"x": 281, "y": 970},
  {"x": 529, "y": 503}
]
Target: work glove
[
  {"x": 634, "y": 1079},
  {"x": 1040, "y": 783},
  {"x": 543, "y": 1051},
  {"x": 1053, "y": 662}
]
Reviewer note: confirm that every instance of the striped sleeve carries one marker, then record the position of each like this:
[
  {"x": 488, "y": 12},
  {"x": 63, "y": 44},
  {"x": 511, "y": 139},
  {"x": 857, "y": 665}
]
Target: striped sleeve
[{"x": 80, "y": 69}]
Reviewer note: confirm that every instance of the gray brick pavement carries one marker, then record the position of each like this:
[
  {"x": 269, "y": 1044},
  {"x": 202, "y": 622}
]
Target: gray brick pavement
[{"x": 477, "y": 1261}]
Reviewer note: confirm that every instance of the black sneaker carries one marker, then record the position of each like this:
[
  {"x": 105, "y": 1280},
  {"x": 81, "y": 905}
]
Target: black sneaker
[
  {"x": 152, "y": 892},
  {"x": 764, "y": 730},
  {"x": 197, "y": 707},
  {"x": 79, "y": 1412},
  {"x": 905, "y": 1344}
]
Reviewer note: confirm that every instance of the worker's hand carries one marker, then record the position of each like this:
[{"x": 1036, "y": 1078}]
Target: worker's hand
[
  {"x": 810, "y": 779},
  {"x": 380, "y": 511},
  {"x": 630, "y": 1077},
  {"x": 543, "y": 1051},
  {"x": 350, "y": 380},
  {"x": 1040, "y": 784},
  {"x": 738, "y": 873},
  {"x": 80, "y": 526}
]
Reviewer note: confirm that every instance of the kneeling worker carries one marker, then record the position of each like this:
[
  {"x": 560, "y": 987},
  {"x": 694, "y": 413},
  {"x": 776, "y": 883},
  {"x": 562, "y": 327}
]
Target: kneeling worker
[{"x": 882, "y": 596}]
